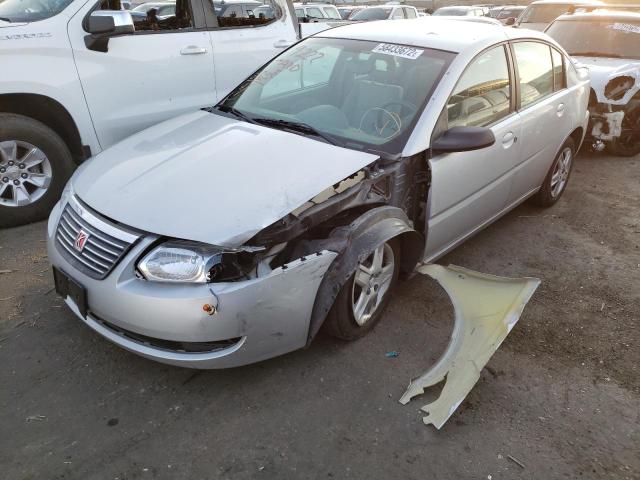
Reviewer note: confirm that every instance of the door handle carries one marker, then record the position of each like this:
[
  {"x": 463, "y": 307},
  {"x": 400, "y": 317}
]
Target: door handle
[
  {"x": 560, "y": 110},
  {"x": 193, "y": 50},
  {"x": 282, "y": 44},
  {"x": 509, "y": 139}
]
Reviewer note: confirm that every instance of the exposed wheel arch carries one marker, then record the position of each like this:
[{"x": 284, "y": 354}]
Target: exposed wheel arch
[{"x": 49, "y": 112}]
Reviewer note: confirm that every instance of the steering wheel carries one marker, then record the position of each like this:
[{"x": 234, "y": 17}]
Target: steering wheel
[{"x": 386, "y": 119}]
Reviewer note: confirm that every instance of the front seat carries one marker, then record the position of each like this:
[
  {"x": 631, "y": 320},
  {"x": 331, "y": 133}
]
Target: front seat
[{"x": 366, "y": 95}]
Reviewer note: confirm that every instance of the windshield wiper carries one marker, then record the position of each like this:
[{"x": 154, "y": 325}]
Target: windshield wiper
[
  {"x": 595, "y": 54},
  {"x": 235, "y": 112},
  {"x": 297, "y": 127}
]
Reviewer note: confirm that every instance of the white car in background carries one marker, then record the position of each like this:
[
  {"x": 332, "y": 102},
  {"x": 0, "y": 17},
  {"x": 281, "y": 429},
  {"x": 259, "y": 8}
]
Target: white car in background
[
  {"x": 385, "y": 12},
  {"x": 607, "y": 42},
  {"x": 313, "y": 12},
  {"x": 231, "y": 235},
  {"x": 460, "y": 11},
  {"x": 539, "y": 14}
]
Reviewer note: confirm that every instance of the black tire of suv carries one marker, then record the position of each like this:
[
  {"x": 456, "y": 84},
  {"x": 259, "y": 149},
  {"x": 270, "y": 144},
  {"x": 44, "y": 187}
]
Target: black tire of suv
[
  {"x": 340, "y": 322},
  {"x": 544, "y": 198},
  {"x": 629, "y": 146},
  {"x": 19, "y": 127}
]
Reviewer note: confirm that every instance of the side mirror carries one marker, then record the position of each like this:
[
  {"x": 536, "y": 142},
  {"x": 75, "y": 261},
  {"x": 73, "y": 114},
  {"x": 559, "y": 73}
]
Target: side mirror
[
  {"x": 510, "y": 21},
  {"x": 464, "y": 139},
  {"x": 104, "y": 24}
]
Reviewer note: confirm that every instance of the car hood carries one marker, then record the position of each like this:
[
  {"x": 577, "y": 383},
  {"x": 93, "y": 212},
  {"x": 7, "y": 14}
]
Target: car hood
[
  {"x": 603, "y": 70},
  {"x": 209, "y": 178}
]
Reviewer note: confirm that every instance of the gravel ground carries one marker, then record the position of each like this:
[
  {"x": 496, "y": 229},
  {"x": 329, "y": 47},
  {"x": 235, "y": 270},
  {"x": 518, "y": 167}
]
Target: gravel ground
[{"x": 560, "y": 399}]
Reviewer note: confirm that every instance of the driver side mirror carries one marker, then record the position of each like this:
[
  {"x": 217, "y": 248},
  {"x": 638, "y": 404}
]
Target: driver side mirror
[
  {"x": 510, "y": 21},
  {"x": 104, "y": 24},
  {"x": 464, "y": 139}
]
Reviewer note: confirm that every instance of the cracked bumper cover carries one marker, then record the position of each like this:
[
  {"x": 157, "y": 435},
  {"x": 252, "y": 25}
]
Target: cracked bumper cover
[{"x": 266, "y": 316}]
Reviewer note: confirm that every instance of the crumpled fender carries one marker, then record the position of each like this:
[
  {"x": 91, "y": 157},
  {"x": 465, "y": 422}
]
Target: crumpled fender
[
  {"x": 354, "y": 243},
  {"x": 486, "y": 309}
]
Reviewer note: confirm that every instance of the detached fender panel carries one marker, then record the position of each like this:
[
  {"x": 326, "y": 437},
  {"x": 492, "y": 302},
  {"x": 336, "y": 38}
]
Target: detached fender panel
[{"x": 486, "y": 309}]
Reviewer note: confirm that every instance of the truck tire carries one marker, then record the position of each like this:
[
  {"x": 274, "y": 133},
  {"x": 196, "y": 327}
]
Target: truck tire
[{"x": 35, "y": 165}]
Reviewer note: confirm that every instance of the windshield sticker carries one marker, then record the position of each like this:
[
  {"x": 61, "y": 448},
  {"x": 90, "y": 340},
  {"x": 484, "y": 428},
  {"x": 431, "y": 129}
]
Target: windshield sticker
[
  {"x": 626, "y": 27},
  {"x": 398, "y": 50}
]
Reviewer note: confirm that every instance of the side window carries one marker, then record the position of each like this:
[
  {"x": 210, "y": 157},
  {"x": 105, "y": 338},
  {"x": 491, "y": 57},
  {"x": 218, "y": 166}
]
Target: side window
[
  {"x": 314, "y": 68},
  {"x": 535, "y": 71},
  {"x": 410, "y": 12},
  {"x": 249, "y": 14},
  {"x": 313, "y": 12},
  {"x": 559, "y": 80},
  {"x": 483, "y": 93},
  {"x": 331, "y": 12},
  {"x": 397, "y": 14},
  {"x": 156, "y": 17}
]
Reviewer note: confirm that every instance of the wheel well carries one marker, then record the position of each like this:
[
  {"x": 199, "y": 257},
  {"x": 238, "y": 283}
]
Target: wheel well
[
  {"x": 49, "y": 112},
  {"x": 576, "y": 135}
]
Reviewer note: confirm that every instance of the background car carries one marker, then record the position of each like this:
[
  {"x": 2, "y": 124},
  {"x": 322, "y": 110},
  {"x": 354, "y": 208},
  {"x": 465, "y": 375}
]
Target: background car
[
  {"x": 508, "y": 14},
  {"x": 347, "y": 11},
  {"x": 385, "y": 12},
  {"x": 310, "y": 12},
  {"x": 459, "y": 11},
  {"x": 539, "y": 14},
  {"x": 607, "y": 42}
]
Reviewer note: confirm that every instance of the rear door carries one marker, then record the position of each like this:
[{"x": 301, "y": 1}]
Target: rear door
[
  {"x": 162, "y": 70},
  {"x": 470, "y": 189},
  {"x": 244, "y": 42},
  {"x": 546, "y": 111}
]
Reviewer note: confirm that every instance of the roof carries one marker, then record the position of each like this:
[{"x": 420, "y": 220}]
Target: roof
[
  {"x": 602, "y": 14},
  {"x": 568, "y": 2},
  {"x": 431, "y": 32}
]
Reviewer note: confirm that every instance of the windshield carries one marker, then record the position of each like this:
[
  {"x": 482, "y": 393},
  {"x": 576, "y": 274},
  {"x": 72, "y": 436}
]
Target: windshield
[
  {"x": 372, "y": 14},
  {"x": 598, "y": 39},
  {"x": 30, "y": 10},
  {"x": 543, "y": 13},
  {"x": 353, "y": 93},
  {"x": 454, "y": 12}
]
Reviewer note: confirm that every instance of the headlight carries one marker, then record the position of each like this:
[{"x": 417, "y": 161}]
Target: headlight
[{"x": 191, "y": 262}]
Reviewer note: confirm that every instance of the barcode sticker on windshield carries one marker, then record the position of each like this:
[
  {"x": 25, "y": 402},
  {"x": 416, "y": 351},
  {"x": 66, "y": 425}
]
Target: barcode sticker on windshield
[
  {"x": 398, "y": 50},
  {"x": 626, "y": 27}
]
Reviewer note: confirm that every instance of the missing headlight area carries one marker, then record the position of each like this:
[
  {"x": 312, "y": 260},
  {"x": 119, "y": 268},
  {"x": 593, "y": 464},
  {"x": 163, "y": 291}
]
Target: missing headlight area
[
  {"x": 486, "y": 309},
  {"x": 618, "y": 87}
]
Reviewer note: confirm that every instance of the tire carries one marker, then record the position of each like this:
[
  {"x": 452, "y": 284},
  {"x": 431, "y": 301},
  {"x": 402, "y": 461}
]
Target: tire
[
  {"x": 550, "y": 190},
  {"x": 628, "y": 145},
  {"x": 342, "y": 321},
  {"x": 28, "y": 193}
]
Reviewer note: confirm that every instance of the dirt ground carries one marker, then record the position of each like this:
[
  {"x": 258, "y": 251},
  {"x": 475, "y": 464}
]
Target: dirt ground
[{"x": 560, "y": 399}]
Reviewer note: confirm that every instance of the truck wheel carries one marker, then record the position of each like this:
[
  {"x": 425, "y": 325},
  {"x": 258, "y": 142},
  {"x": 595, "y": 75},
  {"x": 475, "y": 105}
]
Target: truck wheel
[
  {"x": 361, "y": 301},
  {"x": 627, "y": 145},
  {"x": 35, "y": 164},
  {"x": 556, "y": 180}
]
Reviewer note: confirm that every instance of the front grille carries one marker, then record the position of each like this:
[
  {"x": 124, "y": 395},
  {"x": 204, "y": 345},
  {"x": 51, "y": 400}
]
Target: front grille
[{"x": 104, "y": 245}]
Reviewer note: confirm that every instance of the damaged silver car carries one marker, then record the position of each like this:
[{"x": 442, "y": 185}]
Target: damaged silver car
[
  {"x": 233, "y": 234},
  {"x": 607, "y": 42}
]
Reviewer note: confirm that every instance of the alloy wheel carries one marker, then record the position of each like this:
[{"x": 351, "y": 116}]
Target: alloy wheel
[
  {"x": 371, "y": 283},
  {"x": 25, "y": 173},
  {"x": 561, "y": 172}
]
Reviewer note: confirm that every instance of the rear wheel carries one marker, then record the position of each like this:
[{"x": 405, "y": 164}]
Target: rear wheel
[
  {"x": 558, "y": 176},
  {"x": 628, "y": 144},
  {"x": 362, "y": 300},
  {"x": 35, "y": 164}
]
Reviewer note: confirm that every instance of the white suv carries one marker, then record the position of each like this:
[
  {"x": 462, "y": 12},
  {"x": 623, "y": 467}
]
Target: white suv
[{"x": 80, "y": 75}]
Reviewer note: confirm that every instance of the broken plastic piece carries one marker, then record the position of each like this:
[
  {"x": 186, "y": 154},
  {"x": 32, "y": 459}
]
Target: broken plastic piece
[{"x": 486, "y": 309}]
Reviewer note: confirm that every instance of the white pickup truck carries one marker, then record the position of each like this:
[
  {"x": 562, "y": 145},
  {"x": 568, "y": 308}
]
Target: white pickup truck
[{"x": 77, "y": 76}]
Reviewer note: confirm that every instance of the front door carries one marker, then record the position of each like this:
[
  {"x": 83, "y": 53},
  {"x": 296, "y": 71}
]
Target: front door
[
  {"x": 245, "y": 36},
  {"x": 469, "y": 189},
  {"x": 162, "y": 70}
]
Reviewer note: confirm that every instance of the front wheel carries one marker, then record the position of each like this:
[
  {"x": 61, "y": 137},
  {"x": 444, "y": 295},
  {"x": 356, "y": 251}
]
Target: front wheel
[
  {"x": 35, "y": 164},
  {"x": 361, "y": 301},
  {"x": 558, "y": 176}
]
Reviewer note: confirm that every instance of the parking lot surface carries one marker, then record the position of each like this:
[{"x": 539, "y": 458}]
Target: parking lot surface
[{"x": 560, "y": 399}]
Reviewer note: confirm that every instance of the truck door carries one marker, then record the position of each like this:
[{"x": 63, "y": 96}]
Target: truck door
[
  {"x": 163, "y": 69},
  {"x": 245, "y": 34}
]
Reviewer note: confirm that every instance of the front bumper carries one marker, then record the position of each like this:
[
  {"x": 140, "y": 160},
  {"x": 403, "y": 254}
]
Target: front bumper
[{"x": 254, "y": 320}]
